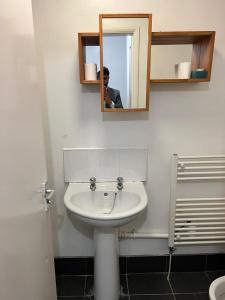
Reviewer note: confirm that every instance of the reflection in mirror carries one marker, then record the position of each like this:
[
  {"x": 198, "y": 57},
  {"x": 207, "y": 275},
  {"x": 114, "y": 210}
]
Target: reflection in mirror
[
  {"x": 92, "y": 55},
  {"x": 125, "y": 51},
  {"x": 164, "y": 59}
]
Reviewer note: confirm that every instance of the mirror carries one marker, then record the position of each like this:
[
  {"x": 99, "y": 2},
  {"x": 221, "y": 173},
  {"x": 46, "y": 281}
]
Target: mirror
[{"x": 125, "y": 44}]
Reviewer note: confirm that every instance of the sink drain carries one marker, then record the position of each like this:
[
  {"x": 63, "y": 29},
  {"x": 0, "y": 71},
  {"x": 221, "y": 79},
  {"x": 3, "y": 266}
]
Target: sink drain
[{"x": 105, "y": 194}]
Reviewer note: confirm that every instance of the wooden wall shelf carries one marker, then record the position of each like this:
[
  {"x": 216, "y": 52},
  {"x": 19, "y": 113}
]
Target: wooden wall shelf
[
  {"x": 180, "y": 37},
  {"x": 86, "y": 39},
  {"x": 202, "y": 53},
  {"x": 191, "y": 80}
]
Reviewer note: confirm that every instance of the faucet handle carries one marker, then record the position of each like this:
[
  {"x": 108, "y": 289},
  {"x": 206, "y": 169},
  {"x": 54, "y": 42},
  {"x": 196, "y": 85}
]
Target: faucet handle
[
  {"x": 92, "y": 180},
  {"x": 120, "y": 179}
]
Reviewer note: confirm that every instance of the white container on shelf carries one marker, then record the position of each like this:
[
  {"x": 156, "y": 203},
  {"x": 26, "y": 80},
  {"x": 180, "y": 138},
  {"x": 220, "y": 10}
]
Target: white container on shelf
[
  {"x": 90, "y": 71},
  {"x": 183, "y": 70}
]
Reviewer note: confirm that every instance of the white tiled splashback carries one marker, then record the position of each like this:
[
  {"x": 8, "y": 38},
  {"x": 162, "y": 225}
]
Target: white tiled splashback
[{"x": 105, "y": 164}]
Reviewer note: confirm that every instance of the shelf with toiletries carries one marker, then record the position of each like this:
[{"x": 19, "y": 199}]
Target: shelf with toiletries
[
  {"x": 195, "y": 48},
  {"x": 88, "y": 44},
  {"x": 200, "y": 43},
  {"x": 178, "y": 80}
]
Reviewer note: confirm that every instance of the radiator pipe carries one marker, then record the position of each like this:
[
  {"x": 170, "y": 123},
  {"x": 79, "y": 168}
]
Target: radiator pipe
[{"x": 142, "y": 235}]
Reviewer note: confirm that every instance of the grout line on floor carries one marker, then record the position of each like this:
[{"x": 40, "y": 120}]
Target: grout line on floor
[
  {"x": 70, "y": 275},
  {"x": 71, "y": 296},
  {"x": 126, "y": 265},
  {"x": 128, "y": 292},
  {"x": 206, "y": 262},
  {"x": 165, "y": 273},
  {"x": 85, "y": 283},
  {"x": 195, "y": 293},
  {"x": 167, "y": 294},
  {"x": 146, "y": 273},
  {"x": 207, "y": 275}
]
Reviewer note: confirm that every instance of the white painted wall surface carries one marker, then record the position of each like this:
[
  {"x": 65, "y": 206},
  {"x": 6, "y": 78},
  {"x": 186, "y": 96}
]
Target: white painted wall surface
[{"x": 187, "y": 119}]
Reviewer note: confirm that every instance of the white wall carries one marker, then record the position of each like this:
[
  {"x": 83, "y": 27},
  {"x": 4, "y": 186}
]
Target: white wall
[{"x": 186, "y": 119}]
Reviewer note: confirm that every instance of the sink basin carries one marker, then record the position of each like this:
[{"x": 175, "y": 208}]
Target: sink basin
[{"x": 106, "y": 206}]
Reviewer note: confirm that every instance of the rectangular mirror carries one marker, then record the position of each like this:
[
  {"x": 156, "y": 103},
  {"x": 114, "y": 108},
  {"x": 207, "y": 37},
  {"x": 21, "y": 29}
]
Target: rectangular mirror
[{"x": 125, "y": 48}]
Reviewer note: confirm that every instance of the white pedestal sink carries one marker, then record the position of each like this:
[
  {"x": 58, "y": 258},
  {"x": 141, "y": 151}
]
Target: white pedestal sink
[{"x": 106, "y": 208}]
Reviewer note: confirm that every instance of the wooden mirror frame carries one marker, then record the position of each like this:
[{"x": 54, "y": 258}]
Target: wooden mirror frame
[{"x": 149, "y": 17}]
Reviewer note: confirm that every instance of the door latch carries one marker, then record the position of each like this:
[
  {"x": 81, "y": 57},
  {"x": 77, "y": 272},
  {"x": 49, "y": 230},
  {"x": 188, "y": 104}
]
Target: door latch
[{"x": 46, "y": 195}]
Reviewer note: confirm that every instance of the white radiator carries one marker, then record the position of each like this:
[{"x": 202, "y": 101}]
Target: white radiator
[{"x": 196, "y": 220}]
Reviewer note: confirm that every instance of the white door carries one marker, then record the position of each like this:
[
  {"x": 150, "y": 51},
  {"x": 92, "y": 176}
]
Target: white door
[{"x": 26, "y": 256}]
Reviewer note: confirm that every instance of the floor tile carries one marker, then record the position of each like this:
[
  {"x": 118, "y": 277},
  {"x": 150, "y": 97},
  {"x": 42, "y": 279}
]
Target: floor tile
[
  {"x": 89, "y": 287},
  {"x": 215, "y": 262},
  {"x": 89, "y": 298},
  {"x": 70, "y": 285},
  {"x": 185, "y": 296},
  {"x": 189, "y": 282},
  {"x": 152, "y": 297},
  {"x": 123, "y": 284},
  {"x": 70, "y": 266},
  {"x": 188, "y": 263},
  {"x": 146, "y": 264},
  {"x": 89, "y": 265},
  {"x": 72, "y": 298},
  {"x": 201, "y": 296},
  {"x": 123, "y": 265},
  {"x": 215, "y": 274},
  {"x": 148, "y": 284}
]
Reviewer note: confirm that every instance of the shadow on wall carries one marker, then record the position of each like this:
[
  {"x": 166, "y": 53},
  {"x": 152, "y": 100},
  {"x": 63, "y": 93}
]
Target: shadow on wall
[
  {"x": 137, "y": 222},
  {"x": 90, "y": 89},
  {"x": 94, "y": 91},
  {"x": 179, "y": 87},
  {"x": 87, "y": 230},
  {"x": 80, "y": 226},
  {"x": 126, "y": 116}
]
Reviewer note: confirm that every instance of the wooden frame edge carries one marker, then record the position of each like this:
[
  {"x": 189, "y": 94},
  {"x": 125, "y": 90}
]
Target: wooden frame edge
[
  {"x": 149, "y": 16},
  {"x": 81, "y": 57},
  {"x": 101, "y": 63},
  {"x": 130, "y": 15},
  {"x": 148, "y": 61},
  {"x": 213, "y": 37}
]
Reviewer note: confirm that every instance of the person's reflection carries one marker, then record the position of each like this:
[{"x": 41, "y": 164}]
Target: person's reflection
[{"x": 111, "y": 96}]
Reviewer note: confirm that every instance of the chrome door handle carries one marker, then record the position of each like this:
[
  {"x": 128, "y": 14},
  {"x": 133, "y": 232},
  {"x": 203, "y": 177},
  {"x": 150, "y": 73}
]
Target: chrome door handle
[{"x": 46, "y": 195}]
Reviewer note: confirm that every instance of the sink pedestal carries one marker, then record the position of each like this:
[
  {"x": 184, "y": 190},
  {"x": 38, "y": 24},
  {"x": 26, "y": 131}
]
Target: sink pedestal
[{"x": 106, "y": 264}]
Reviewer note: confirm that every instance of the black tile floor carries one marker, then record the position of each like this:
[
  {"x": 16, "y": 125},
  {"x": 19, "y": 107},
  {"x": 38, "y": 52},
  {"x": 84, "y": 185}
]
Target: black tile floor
[{"x": 145, "y": 286}]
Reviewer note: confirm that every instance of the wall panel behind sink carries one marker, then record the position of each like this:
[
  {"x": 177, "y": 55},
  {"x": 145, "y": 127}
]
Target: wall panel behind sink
[{"x": 105, "y": 164}]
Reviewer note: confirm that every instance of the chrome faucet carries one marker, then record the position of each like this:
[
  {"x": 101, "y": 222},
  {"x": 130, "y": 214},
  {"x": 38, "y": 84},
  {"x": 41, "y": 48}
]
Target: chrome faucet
[
  {"x": 93, "y": 183},
  {"x": 120, "y": 183}
]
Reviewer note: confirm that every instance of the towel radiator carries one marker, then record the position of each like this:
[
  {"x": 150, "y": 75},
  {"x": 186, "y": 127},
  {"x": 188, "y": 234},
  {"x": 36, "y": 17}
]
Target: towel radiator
[{"x": 196, "y": 220}]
